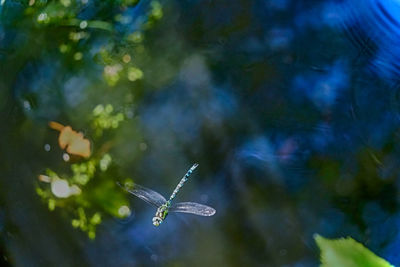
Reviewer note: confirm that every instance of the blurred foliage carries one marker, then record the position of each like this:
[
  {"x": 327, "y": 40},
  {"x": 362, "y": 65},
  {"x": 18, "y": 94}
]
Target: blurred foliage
[
  {"x": 347, "y": 252},
  {"x": 104, "y": 119},
  {"x": 88, "y": 190},
  {"x": 101, "y": 42}
]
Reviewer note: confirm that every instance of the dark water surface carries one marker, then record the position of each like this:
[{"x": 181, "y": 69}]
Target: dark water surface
[{"x": 291, "y": 108}]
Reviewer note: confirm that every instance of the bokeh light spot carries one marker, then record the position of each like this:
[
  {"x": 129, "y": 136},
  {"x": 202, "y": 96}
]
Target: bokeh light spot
[
  {"x": 42, "y": 17},
  {"x": 124, "y": 211},
  {"x": 63, "y": 48},
  {"x": 134, "y": 74},
  {"x": 83, "y": 24},
  {"x": 78, "y": 56},
  {"x": 66, "y": 157},
  {"x": 47, "y": 147},
  {"x": 105, "y": 162},
  {"x": 75, "y": 190},
  {"x": 66, "y": 3},
  {"x": 126, "y": 58},
  {"x": 27, "y": 106},
  {"x": 60, "y": 188}
]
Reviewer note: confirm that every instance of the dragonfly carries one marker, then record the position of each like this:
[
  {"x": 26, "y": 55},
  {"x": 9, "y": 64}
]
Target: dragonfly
[{"x": 165, "y": 206}]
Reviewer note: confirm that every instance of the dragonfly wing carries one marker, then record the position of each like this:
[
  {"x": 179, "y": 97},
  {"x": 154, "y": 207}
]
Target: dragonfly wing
[
  {"x": 193, "y": 208},
  {"x": 146, "y": 194}
]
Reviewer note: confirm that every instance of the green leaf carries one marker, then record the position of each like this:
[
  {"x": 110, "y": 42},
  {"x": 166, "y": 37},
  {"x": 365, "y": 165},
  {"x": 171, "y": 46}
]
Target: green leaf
[{"x": 347, "y": 252}]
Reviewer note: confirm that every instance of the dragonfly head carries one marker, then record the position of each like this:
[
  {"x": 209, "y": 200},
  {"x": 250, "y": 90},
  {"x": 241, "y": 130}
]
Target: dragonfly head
[{"x": 157, "y": 221}]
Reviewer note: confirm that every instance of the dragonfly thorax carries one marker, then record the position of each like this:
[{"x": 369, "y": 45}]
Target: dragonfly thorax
[{"x": 161, "y": 214}]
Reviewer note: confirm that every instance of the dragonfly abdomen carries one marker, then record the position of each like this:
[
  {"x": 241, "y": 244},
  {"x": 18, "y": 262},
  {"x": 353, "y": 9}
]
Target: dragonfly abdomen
[{"x": 182, "y": 181}]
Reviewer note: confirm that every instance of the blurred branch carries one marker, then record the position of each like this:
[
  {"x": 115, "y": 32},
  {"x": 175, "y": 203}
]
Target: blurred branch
[{"x": 91, "y": 24}]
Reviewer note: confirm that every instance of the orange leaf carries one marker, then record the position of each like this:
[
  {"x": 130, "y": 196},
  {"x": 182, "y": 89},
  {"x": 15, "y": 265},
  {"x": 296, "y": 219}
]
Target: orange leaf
[
  {"x": 56, "y": 126},
  {"x": 71, "y": 140},
  {"x": 44, "y": 178}
]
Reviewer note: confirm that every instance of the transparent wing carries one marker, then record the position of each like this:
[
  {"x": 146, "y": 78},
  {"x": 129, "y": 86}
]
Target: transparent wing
[
  {"x": 148, "y": 195},
  {"x": 193, "y": 208}
]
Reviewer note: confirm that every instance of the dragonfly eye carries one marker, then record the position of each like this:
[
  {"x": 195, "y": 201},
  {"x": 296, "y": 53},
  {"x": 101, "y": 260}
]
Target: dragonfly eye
[{"x": 156, "y": 221}]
